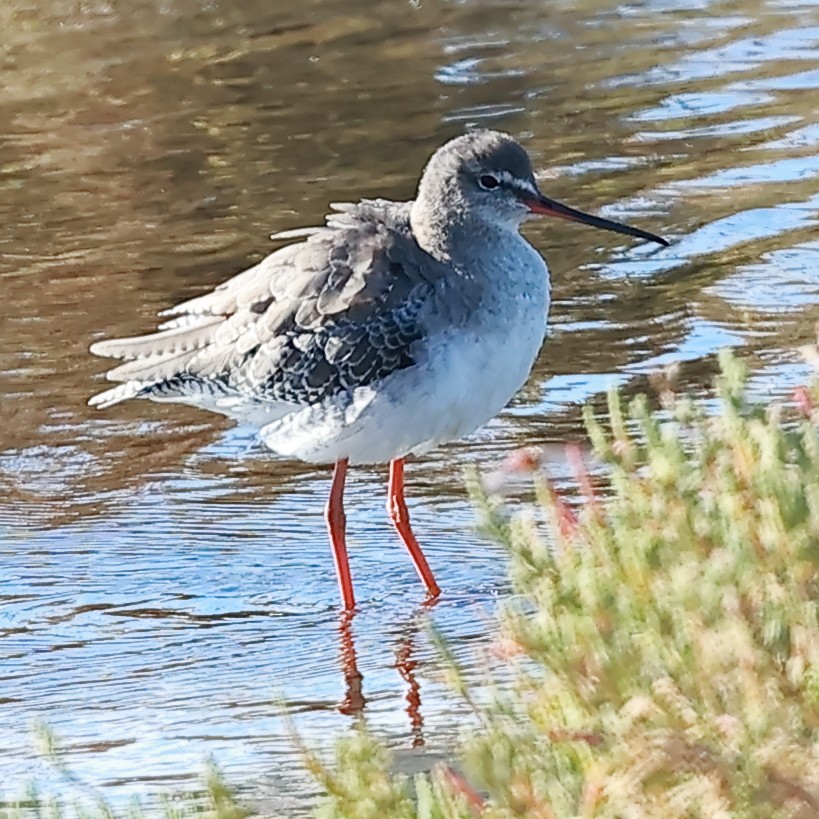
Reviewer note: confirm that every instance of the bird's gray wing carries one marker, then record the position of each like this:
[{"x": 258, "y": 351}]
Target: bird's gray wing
[{"x": 341, "y": 309}]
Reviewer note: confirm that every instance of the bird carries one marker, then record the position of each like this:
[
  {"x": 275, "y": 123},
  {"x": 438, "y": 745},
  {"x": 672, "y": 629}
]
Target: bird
[{"x": 393, "y": 328}]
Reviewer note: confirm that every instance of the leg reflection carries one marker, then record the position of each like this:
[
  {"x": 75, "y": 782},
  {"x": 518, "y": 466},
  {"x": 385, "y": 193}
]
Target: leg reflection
[
  {"x": 406, "y": 668},
  {"x": 406, "y": 665},
  {"x": 354, "y": 701}
]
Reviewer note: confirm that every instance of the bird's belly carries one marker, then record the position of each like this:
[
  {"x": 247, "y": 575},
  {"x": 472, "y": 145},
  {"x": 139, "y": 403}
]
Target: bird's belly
[
  {"x": 475, "y": 377},
  {"x": 464, "y": 377}
]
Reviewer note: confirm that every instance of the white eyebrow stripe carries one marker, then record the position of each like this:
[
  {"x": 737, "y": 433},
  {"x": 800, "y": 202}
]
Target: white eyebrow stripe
[{"x": 516, "y": 182}]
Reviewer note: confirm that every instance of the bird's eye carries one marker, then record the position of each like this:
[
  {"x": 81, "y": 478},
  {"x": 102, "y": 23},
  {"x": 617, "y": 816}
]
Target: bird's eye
[{"x": 488, "y": 182}]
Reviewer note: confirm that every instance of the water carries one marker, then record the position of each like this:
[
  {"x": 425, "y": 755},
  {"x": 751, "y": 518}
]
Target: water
[{"x": 166, "y": 582}]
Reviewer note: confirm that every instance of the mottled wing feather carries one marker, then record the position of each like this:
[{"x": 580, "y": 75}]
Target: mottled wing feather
[{"x": 341, "y": 309}]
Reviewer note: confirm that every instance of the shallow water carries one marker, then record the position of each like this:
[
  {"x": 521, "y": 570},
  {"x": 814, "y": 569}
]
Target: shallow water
[{"x": 167, "y": 583}]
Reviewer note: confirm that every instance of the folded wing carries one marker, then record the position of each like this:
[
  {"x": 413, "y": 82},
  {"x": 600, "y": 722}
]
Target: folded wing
[{"x": 342, "y": 308}]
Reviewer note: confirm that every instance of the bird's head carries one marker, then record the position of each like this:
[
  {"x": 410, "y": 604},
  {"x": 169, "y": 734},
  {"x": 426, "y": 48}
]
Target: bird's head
[{"x": 487, "y": 176}]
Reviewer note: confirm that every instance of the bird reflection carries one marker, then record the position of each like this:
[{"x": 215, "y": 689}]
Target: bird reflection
[
  {"x": 406, "y": 664},
  {"x": 406, "y": 668},
  {"x": 354, "y": 700}
]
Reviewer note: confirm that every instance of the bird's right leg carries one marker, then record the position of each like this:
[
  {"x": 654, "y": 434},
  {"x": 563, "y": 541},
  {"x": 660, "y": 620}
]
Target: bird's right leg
[
  {"x": 336, "y": 521},
  {"x": 399, "y": 514}
]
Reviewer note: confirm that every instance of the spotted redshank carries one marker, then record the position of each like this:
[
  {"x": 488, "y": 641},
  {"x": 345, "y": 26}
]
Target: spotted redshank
[{"x": 393, "y": 328}]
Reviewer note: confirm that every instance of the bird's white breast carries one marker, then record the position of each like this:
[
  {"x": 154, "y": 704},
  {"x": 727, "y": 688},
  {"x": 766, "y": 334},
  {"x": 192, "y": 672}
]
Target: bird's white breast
[
  {"x": 466, "y": 374},
  {"x": 479, "y": 368}
]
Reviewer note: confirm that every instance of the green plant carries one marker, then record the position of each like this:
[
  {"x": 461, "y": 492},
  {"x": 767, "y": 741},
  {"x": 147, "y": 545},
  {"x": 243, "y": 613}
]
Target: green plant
[{"x": 668, "y": 643}]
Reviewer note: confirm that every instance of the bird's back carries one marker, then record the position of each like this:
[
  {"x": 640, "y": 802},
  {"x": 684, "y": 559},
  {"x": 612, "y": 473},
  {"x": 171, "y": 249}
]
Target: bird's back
[{"x": 342, "y": 308}]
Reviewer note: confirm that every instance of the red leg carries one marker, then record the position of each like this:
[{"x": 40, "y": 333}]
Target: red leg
[
  {"x": 397, "y": 508},
  {"x": 334, "y": 515}
]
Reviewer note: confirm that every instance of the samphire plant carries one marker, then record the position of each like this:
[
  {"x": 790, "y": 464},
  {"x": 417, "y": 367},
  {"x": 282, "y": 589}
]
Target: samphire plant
[{"x": 666, "y": 632}]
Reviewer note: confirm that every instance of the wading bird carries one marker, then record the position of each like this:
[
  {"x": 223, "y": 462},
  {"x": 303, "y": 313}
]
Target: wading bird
[{"x": 393, "y": 328}]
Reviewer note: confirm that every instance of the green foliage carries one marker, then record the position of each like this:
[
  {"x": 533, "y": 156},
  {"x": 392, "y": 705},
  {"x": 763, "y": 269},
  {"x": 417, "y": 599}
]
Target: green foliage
[
  {"x": 359, "y": 785},
  {"x": 667, "y": 643}
]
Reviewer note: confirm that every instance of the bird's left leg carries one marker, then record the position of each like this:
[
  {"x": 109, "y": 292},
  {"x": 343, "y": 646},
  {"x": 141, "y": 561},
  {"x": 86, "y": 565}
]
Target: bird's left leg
[{"x": 336, "y": 526}]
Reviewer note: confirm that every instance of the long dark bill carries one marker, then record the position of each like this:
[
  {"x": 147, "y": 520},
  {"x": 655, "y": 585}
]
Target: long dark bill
[{"x": 548, "y": 207}]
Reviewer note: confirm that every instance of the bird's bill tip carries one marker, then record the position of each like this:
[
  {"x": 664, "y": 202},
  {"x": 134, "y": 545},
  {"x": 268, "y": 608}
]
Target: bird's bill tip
[{"x": 549, "y": 207}]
